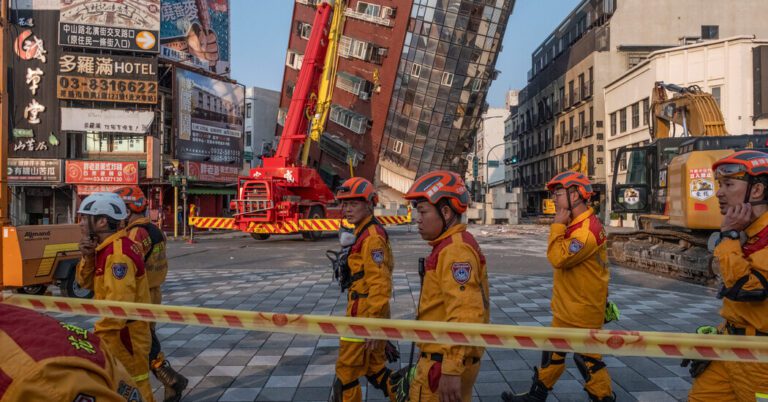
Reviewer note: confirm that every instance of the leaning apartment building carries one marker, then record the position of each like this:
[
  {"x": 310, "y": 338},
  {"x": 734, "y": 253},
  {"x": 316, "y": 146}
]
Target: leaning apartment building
[
  {"x": 561, "y": 115},
  {"x": 411, "y": 86}
]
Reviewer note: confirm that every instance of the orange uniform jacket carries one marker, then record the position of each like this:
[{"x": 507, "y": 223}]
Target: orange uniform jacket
[
  {"x": 737, "y": 261},
  {"x": 42, "y": 359},
  {"x": 156, "y": 264},
  {"x": 372, "y": 256},
  {"x": 578, "y": 253},
  {"x": 455, "y": 290}
]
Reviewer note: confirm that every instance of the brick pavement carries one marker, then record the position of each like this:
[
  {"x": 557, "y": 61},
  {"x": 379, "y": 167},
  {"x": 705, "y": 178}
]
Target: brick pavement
[{"x": 235, "y": 365}]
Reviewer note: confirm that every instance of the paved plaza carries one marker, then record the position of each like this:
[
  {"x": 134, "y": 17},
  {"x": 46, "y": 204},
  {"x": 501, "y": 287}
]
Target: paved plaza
[{"x": 291, "y": 276}]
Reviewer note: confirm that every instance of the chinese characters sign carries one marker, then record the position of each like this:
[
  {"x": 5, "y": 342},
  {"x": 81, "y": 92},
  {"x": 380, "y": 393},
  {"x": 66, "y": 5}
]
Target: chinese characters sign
[
  {"x": 34, "y": 170},
  {"x": 209, "y": 119},
  {"x": 106, "y": 120},
  {"x": 131, "y": 25},
  {"x": 95, "y": 172},
  {"x": 107, "y": 78},
  {"x": 199, "y": 28},
  {"x": 33, "y": 106},
  {"x": 210, "y": 172}
]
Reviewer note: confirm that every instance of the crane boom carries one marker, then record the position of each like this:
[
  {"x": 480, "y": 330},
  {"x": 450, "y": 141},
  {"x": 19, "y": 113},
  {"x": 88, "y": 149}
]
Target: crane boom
[{"x": 302, "y": 103}]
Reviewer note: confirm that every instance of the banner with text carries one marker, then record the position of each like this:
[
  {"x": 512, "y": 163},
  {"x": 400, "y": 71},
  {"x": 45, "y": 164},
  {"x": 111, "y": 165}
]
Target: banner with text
[
  {"x": 130, "y": 25},
  {"x": 84, "y": 76},
  {"x": 209, "y": 121},
  {"x": 46, "y": 171},
  {"x": 199, "y": 28},
  {"x": 98, "y": 172},
  {"x": 106, "y": 120},
  {"x": 201, "y": 171}
]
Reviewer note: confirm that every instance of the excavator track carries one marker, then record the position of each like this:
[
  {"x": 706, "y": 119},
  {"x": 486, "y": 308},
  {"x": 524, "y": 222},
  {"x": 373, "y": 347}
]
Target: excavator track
[{"x": 665, "y": 252}]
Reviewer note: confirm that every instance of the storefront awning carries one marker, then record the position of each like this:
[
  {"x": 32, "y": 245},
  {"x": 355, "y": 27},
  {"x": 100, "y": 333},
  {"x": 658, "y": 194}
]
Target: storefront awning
[{"x": 212, "y": 191}]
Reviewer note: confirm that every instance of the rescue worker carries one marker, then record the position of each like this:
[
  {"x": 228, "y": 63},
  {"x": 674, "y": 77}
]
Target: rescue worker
[
  {"x": 42, "y": 359},
  {"x": 454, "y": 287},
  {"x": 577, "y": 250},
  {"x": 115, "y": 271},
  {"x": 742, "y": 253},
  {"x": 368, "y": 281},
  {"x": 150, "y": 243}
]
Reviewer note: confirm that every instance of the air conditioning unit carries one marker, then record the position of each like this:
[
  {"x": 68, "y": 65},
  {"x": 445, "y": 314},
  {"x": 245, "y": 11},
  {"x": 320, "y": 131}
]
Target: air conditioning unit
[
  {"x": 382, "y": 51},
  {"x": 391, "y": 12},
  {"x": 364, "y": 96}
]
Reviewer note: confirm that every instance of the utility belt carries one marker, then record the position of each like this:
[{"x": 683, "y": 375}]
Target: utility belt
[
  {"x": 438, "y": 357},
  {"x": 734, "y": 330}
]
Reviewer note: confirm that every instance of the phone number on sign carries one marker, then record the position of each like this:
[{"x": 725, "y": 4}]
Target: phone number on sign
[{"x": 106, "y": 89}]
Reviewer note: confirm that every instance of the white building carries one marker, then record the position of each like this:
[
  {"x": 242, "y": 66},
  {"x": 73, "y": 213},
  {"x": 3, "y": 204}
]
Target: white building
[
  {"x": 489, "y": 146},
  {"x": 261, "y": 108},
  {"x": 725, "y": 68}
]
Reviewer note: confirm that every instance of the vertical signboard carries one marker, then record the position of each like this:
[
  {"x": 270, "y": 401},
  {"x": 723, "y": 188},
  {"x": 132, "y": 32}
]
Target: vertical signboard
[
  {"x": 209, "y": 119},
  {"x": 199, "y": 28},
  {"x": 131, "y": 25},
  {"x": 33, "y": 108}
]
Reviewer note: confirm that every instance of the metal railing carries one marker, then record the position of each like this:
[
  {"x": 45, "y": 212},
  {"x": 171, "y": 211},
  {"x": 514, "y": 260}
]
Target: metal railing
[{"x": 367, "y": 17}]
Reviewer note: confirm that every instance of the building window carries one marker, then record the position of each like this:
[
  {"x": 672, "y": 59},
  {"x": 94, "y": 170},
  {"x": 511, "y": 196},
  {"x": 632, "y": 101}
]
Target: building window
[
  {"x": 476, "y": 84},
  {"x": 635, "y": 115},
  {"x": 623, "y": 120},
  {"x": 587, "y": 130},
  {"x": 582, "y": 87},
  {"x": 570, "y": 130},
  {"x": 248, "y": 110},
  {"x": 247, "y": 138},
  {"x": 571, "y": 94},
  {"x": 613, "y": 124},
  {"x": 354, "y": 85},
  {"x": 303, "y": 29},
  {"x": 646, "y": 111},
  {"x": 348, "y": 119},
  {"x": 447, "y": 79},
  {"x": 293, "y": 60},
  {"x": 100, "y": 142},
  {"x": 710, "y": 32},
  {"x": 416, "y": 70},
  {"x": 582, "y": 126},
  {"x": 360, "y": 50},
  {"x": 374, "y": 10},
  {"x": 716, "y": 95},
  {"x": 281, "y": 114},
  {"x": 397, "y": 147}
]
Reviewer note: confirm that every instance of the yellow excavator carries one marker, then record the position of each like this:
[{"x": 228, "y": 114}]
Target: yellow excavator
[
  {"x": 669, "y": 187},
  {"x": 31, "y": 257}
]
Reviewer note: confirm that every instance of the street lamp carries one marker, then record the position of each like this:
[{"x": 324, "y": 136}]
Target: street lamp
[{"x": 487, "y": 162}]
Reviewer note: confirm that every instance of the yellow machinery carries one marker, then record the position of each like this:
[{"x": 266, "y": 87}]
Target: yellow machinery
[
  {"x": 32, "y": 257},
  {"x": 669, "y": 186}
]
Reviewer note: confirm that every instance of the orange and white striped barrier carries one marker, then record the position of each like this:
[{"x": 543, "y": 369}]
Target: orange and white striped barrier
[
  {"x": 288, "y": 227},
  {"x": 623, "y": 343}
]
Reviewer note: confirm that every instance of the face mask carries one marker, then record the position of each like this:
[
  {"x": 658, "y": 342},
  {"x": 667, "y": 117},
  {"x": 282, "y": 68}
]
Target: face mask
[{"x": 347, "y": 236}]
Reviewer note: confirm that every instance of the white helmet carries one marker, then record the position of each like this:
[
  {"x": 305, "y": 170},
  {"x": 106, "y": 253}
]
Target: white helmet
[{"x": 109, "y": 204}]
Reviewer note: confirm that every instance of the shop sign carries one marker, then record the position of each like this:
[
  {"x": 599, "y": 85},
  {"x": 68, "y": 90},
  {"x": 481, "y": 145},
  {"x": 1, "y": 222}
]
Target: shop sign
[
  {"x": 107, "y": 66},
  {"x": 34, "y": 170},
  {"x": 86, "y": 189},
  {"x": 210, "y": 172},
  {"x": 106, "y": 120},
  {"x": 132, "y": 25},
  {"x": 100, "y": 172},
  {"x": 106, "y": 89}
]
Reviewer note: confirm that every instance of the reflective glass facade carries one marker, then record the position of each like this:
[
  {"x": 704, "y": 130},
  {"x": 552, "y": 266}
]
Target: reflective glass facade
[{"x": 446, "y": 67}]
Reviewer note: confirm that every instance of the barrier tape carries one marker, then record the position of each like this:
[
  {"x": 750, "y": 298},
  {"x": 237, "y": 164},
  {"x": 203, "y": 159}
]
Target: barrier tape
[
  {"x": 613, "y": 342},
  {"x": 288, "y": 227}
]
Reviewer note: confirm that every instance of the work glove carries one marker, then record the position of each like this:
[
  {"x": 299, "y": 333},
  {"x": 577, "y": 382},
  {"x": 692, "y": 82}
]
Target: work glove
[
  {"x": 391, "y": 352},
  {"x": 612, "y": 312},
  {"x": 698, "y": 366}
]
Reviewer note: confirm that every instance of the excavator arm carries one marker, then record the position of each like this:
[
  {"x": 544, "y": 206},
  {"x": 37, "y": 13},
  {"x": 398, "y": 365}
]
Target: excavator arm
[{"x": 690, "y": 107}]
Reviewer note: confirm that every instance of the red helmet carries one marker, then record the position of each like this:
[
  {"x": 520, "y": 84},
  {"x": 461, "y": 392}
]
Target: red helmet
[
  {"x": 357, "y": 188},
  {"x": 740, "y": 164},
  {"x": 133, "y": 197},
  {"x": 570, "y": 179},
  {"x": 441, "y": 184}
]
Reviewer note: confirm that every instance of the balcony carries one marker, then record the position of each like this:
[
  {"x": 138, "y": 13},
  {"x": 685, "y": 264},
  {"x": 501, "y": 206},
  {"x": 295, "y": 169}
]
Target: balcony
[
  {"x": 586, "y": 130},
  {"x": 348, "y": 119},
  {"x": 567, "y": 102},
  {"x": 575, "y": 98},
  {"x": 587, "y": 92},
  {"x": 386, "y": 21}
]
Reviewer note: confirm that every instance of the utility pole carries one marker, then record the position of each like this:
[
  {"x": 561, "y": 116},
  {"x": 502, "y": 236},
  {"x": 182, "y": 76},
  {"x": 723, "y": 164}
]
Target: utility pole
[{"x": 4, "y": 196}]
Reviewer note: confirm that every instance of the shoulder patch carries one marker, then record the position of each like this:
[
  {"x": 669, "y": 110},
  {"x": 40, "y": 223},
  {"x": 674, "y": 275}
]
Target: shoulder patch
[
  {"x": 84, "y": 398},
  {"x": 130, "y": 393},
  {"x": 377, "y": 256},
  {"x": 575, "y": 246},
  {"x": 461, "y": 271},
  {"x": 119, "y": 270}
]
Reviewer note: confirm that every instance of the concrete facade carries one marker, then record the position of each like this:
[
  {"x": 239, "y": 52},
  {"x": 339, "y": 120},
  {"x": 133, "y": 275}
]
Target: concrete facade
[{"x": 261, "y": 108}]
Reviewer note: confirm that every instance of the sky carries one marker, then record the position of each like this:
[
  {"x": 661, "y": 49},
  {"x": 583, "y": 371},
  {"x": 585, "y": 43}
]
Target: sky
[{"x": 260, "y": 30}]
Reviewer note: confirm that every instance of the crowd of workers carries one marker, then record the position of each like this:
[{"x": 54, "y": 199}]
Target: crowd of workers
[{"x": 124, "y": 260}]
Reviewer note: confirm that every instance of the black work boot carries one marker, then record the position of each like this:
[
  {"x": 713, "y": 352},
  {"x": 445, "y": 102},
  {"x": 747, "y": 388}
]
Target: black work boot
[
  {"x": 593, "y": 398},
  {"x": 537, "y": 393},
  {"x": 174, "y": 383}
]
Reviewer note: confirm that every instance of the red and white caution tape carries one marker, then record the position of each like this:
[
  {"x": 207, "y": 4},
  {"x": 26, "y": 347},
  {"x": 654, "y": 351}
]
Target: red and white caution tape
[{"x": 625, "y": 343}]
